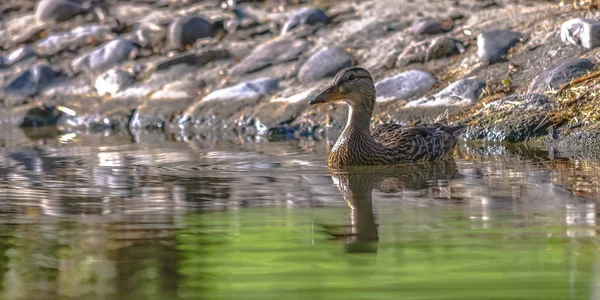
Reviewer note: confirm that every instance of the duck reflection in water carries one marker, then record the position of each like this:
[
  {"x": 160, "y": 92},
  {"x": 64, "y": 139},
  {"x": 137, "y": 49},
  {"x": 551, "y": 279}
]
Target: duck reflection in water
[{"x": 357, "y": 184}]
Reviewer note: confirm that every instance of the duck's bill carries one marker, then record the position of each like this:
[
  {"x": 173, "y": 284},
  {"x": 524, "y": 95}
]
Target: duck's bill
[{"x": 332, "y": 93}]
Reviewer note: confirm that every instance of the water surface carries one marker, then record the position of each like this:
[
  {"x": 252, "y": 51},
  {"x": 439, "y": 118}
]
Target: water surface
[{"x": 151, "y": 216}]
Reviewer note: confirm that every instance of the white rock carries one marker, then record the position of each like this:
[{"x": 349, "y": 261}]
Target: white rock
[
  {"x": 112, "y": 81},
  {"x": 581, "y": 32}
]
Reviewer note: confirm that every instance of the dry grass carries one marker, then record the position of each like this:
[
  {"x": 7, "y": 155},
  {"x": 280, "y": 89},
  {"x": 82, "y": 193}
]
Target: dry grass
[{"x": 578, "y": 102}]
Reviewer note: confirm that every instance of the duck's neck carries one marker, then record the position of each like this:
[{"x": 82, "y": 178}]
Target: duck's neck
[{"x": 358, "y": 128}]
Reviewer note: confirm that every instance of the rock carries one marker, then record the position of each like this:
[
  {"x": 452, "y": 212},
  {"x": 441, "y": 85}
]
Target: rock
[
  {"x": 31, "y": 81},
  {"x": 57, "y": 10},
  {"x": 404, "y": 85},
  {"x": 197, "y": 59},
  {"x": 270, "y": 53},
  {"x": 514, "y": 118},
  {"x": 493, "y": 45},
  {"x": 227, "y": 101},
  {"x": 305, "y": 16},
  {"x": 460, "y": 93},
  {"x": 41, "y": 116},
  {"x": 581, "y": 32},
  {"x": 185, "y": 31},
  {"x": 559, "y": 74},
  {"x": 105, "y": 56},
  {"x": 74, "y": 38},
  {"x": 325, "y": 63},
  {"x": 113, "y": 81},
  {"x": 426, "y": 26},
  {"x": 22, "y": 53},
  {"x": 436, "y": 48}
]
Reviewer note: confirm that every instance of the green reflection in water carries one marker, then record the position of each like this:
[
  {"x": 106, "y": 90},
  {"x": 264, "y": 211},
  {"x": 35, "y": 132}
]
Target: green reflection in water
[{"x": 275, "y": 254}]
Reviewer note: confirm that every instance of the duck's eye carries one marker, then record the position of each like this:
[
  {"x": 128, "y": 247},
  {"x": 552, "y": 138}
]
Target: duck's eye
[{"x": 351, "y": 77}]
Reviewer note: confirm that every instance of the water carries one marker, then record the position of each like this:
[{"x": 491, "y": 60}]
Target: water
[{"x": 95, "y": 216}]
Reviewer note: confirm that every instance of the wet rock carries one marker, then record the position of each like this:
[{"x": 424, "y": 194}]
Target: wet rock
[
  {"x": 41, "y": 116},
  {"x": 57, "y": 10},
  {"x": 113, "y": 81},
  {"x": 404, "y": 85},
  {"x": 185, "y": 31},
  {"x": 228, "y": 101},
  {"x": 424, "y": 51},
  {"x": 74, "y": 38},
  {"x": 494, "y": 45},
  {"x": 325, "y": 63},
  {"x": 31, "y": 81},
  {"x": 426, "y": 26},
  {"x": 69, "y": 87},
  {"x": 105, "y": 56},
  {"x": 460, "y": 93},
  {"x": 305, "y": 16},
  {"x": 514, "y": 118},
  {"x": 20, "y": 54},
  {"x": 270, "y": 53},
  {"x": 581, "y": 32},
  {"x": 559, "y": 74}
]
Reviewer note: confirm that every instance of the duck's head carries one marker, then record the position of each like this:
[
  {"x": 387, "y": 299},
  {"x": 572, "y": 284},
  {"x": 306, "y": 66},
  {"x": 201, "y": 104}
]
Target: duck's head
[{"x": 352, "y": 85}]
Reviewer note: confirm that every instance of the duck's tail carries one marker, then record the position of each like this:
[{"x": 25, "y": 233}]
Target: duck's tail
[{"x": 458, "y": 130}]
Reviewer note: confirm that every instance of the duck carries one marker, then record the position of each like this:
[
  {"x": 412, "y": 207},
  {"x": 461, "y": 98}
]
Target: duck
[{"x": 386, "y": 144}]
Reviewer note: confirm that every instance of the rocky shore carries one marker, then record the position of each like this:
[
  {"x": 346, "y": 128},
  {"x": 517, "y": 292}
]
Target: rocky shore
[{"x": 512, "y": 70}]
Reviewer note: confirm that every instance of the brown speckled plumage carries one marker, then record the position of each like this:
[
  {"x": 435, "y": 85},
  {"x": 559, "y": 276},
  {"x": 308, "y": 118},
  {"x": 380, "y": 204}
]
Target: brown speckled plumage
[{"x": 388, "y": 143}]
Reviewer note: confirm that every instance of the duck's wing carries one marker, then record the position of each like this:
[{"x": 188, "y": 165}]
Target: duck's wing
[{"x": 417, "y": 142}]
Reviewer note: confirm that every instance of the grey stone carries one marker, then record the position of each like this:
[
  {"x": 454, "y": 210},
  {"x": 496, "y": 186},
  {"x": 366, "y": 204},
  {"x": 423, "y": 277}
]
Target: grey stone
[
  {"x": 113, "y": 81},
  {"x": 185, "y": 31},
  {"x": 559, "y": 74},
  {"x": 404, "y": 85},
  {"x": 105, "y": 56},
  {"x": 436, "y": 48},
  {"x": 305, "y": 16},
  {"x": 197, "y": 59},
  {"x": 75, "y": 37},
  {"x": 226, "y": 102},
  {"x": 22, "y": 53},
  {"x": 57, "y": 10},
  {"x": 325, "y": 63},
  {"x": 270, "y": 53},
  {"x": 493, "y": 45},
  {"x": 243, "y": 91},
  {"x": 581, "y": 32},
  {"x": 460, "y": 93},
  {"x": 426, "y": 26},
  {"x": 31, "y": 81}
]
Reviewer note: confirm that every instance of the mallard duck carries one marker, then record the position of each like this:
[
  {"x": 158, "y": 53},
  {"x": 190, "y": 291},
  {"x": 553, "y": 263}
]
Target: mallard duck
[{"x": 386, "y": 144}]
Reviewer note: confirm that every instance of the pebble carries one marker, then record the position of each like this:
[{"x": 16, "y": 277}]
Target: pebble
[
  {"x": 270, "y": 53},
  {"x": 494, "y": 45},
  {"x": 404, "y": 85},
  {"x": 305, "y": 16},
  {"x": 436, "y": 48},
  {"x": 57, "y": 10},
  {"x": 581, "y": 32},
  {"x": 461, "y": 93},
  {"x": 251, "y": 90},
  {"x": 105, "y": 56},
  {"x": 426, "y": 26},
  {"x": 184, "y": 31},
  {"x": 74, "y": 38},
  {"x": 113, "y": 81},
  {"x": 558, "y": 74},
  {"x": 323, "y": 64},
  {"x": 20, "y": 54},
  {"x": 31, "y": 81}
]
